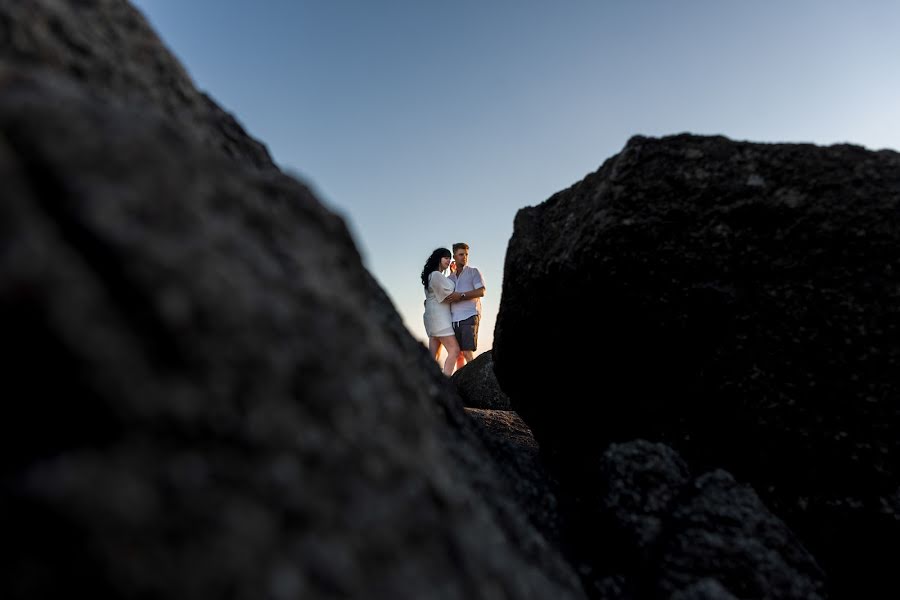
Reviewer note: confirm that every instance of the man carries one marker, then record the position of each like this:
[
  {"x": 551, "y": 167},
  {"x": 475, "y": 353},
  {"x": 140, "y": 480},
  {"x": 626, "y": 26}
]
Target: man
[{"x": 465, "y": 310}]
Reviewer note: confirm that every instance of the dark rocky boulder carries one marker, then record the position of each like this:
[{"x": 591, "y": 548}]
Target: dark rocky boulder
[
  {"x": 199, "y": 401},
  {"x": 721, "y": 531},
  {"x": 656, "y": 531},
  {"x": 743, "y": 303},
  {"x": 660, "y": 532},
  {"x": 477, "y": 385}
]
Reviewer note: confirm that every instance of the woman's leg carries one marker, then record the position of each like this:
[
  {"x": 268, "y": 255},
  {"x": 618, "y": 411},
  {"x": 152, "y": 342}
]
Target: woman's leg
[
  {"x": 434, "y": 347},
  {"x": 452, "y": 347}
]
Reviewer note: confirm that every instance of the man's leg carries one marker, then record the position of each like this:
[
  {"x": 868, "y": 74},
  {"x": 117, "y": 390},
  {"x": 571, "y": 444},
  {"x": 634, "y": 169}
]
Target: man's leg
[
  {"x": 467, "y": 335},
  {"x": 457, "y": 331}
]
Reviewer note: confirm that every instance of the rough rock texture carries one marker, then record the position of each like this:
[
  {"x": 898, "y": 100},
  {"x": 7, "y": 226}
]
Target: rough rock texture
[
  {"x": 658, "y": 532},
  {"x": 517, "y": 456},
  {"x": 721, "y": 530},
  {"x": 477, "y": 385},
  {"x": 199, "y": 402},
  {"x": 745, "y": 300}
]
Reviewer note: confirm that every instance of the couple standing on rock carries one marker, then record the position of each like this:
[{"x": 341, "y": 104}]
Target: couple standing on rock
[{"x": 452, "y": 305}]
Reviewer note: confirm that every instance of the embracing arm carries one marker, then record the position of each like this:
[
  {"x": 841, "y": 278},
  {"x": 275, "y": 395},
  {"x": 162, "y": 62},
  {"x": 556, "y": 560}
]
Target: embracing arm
[
  {"x": 441, "y": 286},
  {"x": 457, "y": 296}
]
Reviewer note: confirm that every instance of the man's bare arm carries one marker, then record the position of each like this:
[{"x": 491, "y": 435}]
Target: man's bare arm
[
  {"x": 457, "y": 296},
  {"x": 476, "y": 293}
]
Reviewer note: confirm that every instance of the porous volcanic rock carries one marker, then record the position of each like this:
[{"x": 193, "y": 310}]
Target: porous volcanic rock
[
  {"x": 739, "y": 302},
  {"x": 477, "y": 385}
]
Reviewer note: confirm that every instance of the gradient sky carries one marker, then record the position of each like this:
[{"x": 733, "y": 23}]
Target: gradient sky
[{"x": 425, "y": 123}]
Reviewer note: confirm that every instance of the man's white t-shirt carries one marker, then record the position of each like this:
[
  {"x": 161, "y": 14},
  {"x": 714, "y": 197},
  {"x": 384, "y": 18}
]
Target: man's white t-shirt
[{"x": 470, "y": 279}]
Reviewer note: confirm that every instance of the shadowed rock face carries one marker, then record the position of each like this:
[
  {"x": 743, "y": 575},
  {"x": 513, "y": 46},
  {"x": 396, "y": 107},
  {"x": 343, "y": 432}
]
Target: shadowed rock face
[
  {"x": 477, "y": 385},
  {"x": 652, "y": 529},
  {"x": 200, "y": 400},
  {"x": 739, "y": 302},
  {"x": 517, "y": 456},
  {"x": 107, "y": 47},
  {"x": 662, "y": 533}
]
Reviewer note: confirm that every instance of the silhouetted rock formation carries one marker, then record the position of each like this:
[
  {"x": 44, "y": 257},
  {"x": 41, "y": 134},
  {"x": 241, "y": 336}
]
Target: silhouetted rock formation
[
  {"x": 744, "y": 304},
  {"x": 200, "y": 400},
  {"x": 477, "y": 384}
]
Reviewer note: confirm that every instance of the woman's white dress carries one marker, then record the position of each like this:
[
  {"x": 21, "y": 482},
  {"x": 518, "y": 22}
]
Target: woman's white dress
[{"x": 437, "y": 312}]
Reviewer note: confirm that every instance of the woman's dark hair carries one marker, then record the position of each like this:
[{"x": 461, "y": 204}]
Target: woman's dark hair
[{"x": 432, "y": 263}]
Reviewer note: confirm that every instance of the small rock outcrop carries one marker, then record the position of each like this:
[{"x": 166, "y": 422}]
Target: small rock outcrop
[
  {"x": 477, "y": 385},
  {"x": 660, "y": 532}
]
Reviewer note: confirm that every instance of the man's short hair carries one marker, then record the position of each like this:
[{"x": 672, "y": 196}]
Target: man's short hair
[{"x": 460, "y": 245}]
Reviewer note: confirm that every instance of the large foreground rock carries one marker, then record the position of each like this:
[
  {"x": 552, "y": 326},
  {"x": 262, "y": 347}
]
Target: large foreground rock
[
  {"x": 107, "y": 48},
  {"x": 199, "y": 401},
  {"x": 739, "y": 302}
]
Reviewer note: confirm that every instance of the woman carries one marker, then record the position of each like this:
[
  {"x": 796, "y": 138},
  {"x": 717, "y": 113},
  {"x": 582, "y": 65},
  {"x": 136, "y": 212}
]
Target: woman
[{"x": 437, "y": 310}]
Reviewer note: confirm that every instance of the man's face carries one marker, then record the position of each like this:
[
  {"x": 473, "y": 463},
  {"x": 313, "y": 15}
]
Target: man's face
[{"x": 461, "y": 256}]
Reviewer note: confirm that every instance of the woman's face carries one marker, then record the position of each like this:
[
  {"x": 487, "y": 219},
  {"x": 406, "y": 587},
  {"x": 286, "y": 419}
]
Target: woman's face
[{"x": 445, "y": 263}]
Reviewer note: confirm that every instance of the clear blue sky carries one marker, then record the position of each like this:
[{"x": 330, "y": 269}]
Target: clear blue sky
[{"x": 426, "y": 123}]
